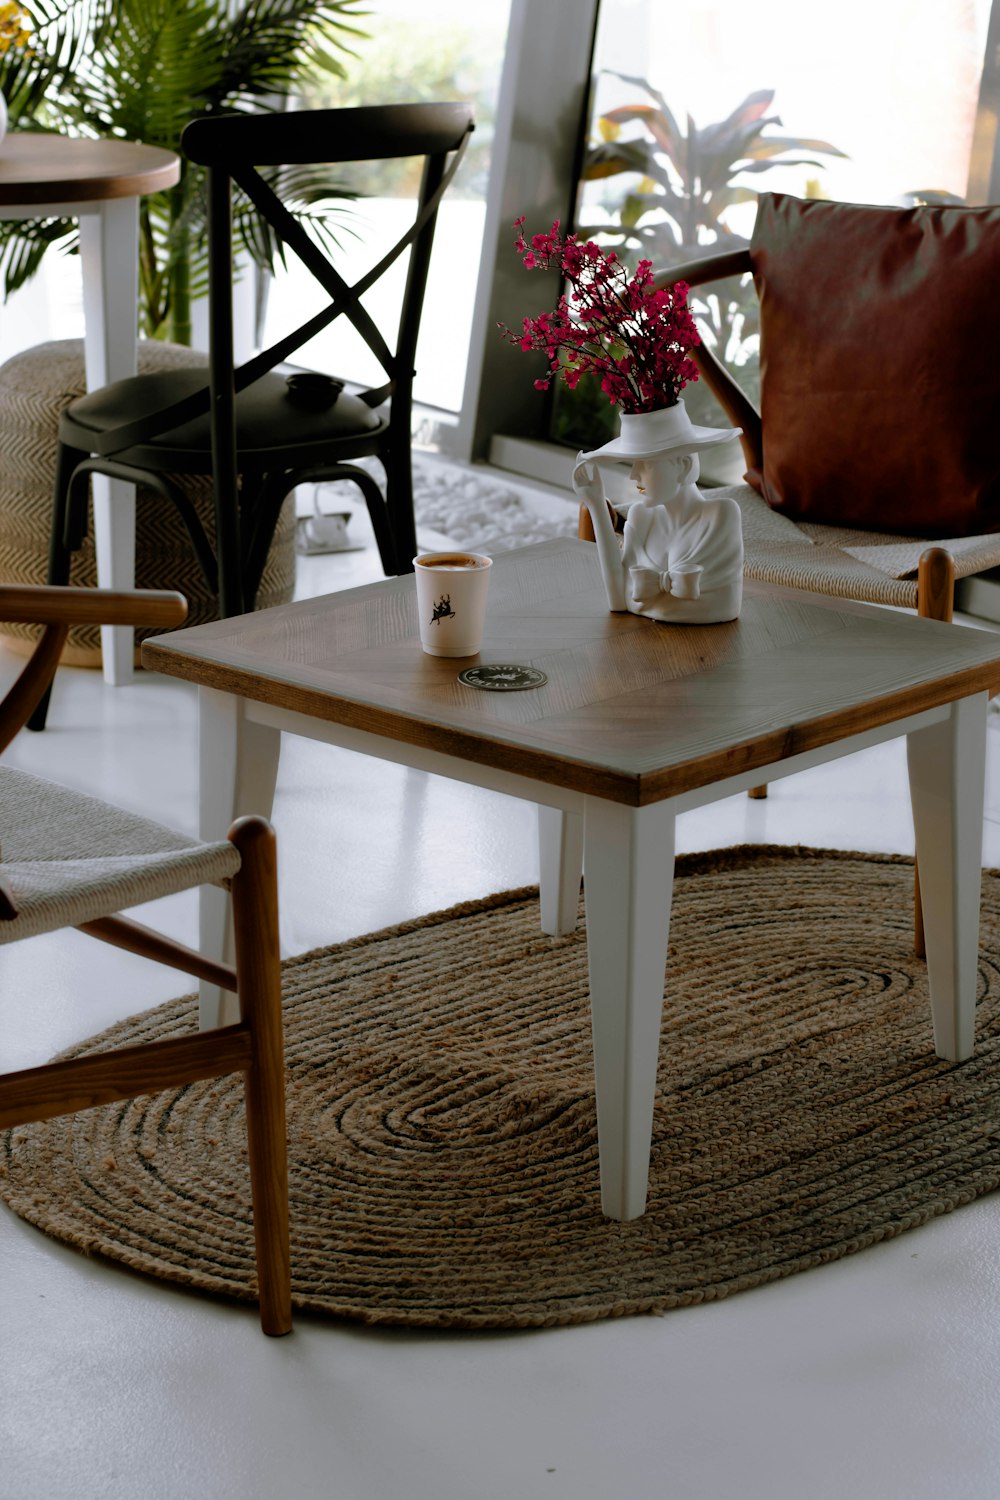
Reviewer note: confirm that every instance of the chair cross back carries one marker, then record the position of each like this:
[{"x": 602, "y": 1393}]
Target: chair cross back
[{"x": 433, "y": 131}]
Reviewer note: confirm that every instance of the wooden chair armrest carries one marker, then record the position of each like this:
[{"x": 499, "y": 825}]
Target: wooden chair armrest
[
  {"x": 45, "y": 604},
  {"x": 706, "y": 268},
  {"x": 731, "y": 397},
  {"x": 57, "y": 608}
]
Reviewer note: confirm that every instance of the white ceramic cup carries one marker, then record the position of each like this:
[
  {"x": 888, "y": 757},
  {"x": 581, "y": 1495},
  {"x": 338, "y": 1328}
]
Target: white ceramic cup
[
  {"x": 685, "y": 581},
  {"x": 451, "y": 601}
]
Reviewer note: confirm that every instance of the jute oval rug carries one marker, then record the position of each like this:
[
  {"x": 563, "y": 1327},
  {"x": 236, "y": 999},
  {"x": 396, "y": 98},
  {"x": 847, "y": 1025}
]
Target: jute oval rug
[{"x": 442, "y": 1129}]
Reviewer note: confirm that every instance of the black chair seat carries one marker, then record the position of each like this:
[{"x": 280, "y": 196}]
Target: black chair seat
[{"x": 271, "y": 426}]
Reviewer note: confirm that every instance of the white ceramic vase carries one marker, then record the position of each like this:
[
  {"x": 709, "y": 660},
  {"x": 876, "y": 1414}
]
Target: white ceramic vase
[
  {"x": 3, "y": 117},
  {"x": 680, "y": 558}
]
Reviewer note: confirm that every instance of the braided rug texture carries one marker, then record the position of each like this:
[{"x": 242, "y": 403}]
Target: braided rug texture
[{"x": 443, "y": 1145}]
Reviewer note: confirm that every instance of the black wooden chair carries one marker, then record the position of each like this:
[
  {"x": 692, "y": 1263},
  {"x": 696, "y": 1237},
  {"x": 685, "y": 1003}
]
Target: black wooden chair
[{"x": 259, "y": 431}]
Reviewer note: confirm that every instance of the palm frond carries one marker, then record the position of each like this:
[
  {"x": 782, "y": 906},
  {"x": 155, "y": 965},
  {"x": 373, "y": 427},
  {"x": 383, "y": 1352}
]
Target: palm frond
[
  {"x": 23, "y": 246},
  {"x": 141, "y": 70}
]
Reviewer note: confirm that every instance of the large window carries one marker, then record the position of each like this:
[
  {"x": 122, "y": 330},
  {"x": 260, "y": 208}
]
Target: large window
[
  {"x": 878, "y": 103},
  {"x": 895, "y": 86},
  {"x": 688, "y": 124},
  {"x": 439, "y": 50}
]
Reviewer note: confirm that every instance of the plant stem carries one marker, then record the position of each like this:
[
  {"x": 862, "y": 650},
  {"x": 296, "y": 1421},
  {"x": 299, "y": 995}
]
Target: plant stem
[{"x": 179, "y": 323}]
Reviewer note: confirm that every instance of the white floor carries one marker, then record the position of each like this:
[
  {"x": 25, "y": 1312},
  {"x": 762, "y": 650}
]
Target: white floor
[{"x": 874, "y": 1377}]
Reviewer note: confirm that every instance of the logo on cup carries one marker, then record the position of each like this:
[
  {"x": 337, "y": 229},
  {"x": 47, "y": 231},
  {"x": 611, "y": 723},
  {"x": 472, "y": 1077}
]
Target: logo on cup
[{"x": 442, "y": 610}]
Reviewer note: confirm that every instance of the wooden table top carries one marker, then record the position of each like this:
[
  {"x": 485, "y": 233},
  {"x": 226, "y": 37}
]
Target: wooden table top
[
  {"x": 633, "y": 711},
  {"x": 63, "y": 169}
]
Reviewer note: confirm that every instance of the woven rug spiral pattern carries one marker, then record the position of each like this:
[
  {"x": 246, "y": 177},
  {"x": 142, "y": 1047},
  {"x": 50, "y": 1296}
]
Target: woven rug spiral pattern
[{"x": 442, "y": 1132}]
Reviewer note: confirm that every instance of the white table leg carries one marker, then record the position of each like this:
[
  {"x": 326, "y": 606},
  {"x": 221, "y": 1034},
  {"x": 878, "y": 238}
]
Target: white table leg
[
  {"x": 947, "y": 768},
  {"x": 629, "y": 864},
  {"x": 109, "y": 250},
  {"x": 238, "y": 769},
  {"x": 560, "y": 865}
]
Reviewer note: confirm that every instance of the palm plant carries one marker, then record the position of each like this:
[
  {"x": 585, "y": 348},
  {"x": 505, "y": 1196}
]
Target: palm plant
[
  {"x": 140, "y": 70},
  {"x": 683, "y": 185},
  {"x": 687, "y": 179}
]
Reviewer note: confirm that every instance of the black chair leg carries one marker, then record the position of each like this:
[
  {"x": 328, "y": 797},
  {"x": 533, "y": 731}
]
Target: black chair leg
[
  {"x": 385, "y": 537},
  {"x": 60, "y": 554},
  {"x": 399, "y": 506},
  {"x": 385, "y": 540},
  {"x": 258, "y": 524}
]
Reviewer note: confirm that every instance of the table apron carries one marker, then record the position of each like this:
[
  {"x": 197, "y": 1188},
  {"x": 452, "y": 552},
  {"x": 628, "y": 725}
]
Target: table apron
[
  {"x": 81, "y": 209},
  {"x": 421, "y": 758}
]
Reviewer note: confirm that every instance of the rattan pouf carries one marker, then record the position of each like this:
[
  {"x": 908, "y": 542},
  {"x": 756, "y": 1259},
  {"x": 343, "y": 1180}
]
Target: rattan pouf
[{"x": 35, "y": 387}]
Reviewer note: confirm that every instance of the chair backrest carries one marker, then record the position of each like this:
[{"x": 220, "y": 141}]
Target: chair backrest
[
  {"x": 247, "y": 150},
  {"x": 241, "y": 148}
]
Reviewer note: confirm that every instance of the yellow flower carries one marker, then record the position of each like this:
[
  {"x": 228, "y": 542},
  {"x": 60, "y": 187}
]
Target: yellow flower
[{"x": 14, "y": 26}]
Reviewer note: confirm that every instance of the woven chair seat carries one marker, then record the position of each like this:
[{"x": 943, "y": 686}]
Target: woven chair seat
[
  {"x": 68, "y": 858},
  {"x": 878, "y": 567}
]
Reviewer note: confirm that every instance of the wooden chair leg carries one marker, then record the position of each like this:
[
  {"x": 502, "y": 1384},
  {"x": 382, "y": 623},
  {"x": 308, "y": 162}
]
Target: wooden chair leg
[
  {"x": 758, "y": 792},
  {"x": 935, "y": 601},
  {"x": 258, "y": 972}
]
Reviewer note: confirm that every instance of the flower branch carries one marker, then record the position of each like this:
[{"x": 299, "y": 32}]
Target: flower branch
[{"x": 634, "y": 336}]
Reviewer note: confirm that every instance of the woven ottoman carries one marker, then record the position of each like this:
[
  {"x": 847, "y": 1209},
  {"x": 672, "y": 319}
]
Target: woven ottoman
[{"x": 35, "y": 387}]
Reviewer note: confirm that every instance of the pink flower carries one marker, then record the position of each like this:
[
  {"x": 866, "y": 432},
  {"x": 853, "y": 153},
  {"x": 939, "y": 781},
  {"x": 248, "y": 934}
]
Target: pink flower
[{"x": 634, "y": 336}]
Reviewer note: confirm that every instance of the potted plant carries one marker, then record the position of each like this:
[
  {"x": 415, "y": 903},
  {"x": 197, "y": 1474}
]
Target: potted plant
[
  {"x": 140, "y": 70},
  {"x": 681, "y": 561}
]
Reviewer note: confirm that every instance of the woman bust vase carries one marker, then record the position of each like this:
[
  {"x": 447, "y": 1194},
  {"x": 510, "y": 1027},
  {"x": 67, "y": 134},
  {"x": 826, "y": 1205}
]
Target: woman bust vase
[{"x": 681, "y": 557}]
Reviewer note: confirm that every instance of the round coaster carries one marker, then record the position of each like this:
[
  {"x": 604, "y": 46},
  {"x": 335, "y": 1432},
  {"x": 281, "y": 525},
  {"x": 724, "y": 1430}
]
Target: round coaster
[{"x": 501, "y": 677}]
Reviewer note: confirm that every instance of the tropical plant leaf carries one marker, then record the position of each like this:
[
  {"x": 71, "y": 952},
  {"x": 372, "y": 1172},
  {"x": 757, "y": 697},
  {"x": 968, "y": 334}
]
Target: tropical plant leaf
[
  {"x": 752, "y": 109},
  {"x": 634, "y": 81},
  {"x": 789, "y": 161},
  {"x": 654, "y": 120},
  {"x": 141, "y": 70},
  {"x": 775, "y": 145},
  {"x": 23, "y": 246}
]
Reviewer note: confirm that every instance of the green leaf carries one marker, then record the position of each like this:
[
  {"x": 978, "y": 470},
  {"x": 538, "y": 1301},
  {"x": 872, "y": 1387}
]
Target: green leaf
[{"x": 141, "y": 70}]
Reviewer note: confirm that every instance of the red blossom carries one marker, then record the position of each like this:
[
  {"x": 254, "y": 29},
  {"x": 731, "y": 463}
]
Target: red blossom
[{"x": 634, "y": 336}]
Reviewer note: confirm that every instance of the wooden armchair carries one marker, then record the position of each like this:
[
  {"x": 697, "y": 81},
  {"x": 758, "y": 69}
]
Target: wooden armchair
[
  {"x": 875, "y": 443},
  {"x": 69, "y": 860},
  {"x": 872, "y": 470}
]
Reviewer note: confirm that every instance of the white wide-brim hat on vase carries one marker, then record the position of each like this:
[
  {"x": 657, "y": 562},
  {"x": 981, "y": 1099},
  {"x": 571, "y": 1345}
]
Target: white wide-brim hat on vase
[{"x": 648, "y": 434}]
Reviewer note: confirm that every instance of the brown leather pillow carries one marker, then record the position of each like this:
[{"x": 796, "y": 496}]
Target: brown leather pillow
[{"x": 880, "y": 364}]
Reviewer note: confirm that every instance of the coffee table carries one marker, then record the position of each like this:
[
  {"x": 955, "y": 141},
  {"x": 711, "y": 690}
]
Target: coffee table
[{"x": 636, "y": 723}]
